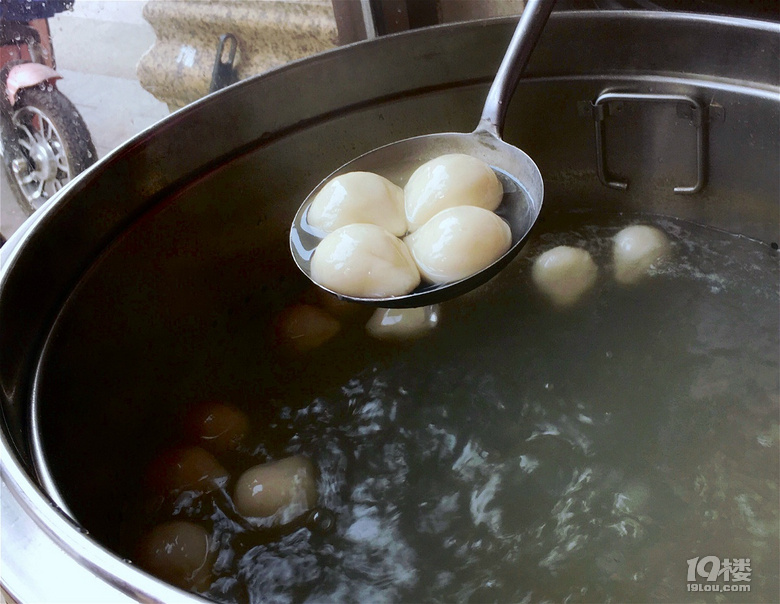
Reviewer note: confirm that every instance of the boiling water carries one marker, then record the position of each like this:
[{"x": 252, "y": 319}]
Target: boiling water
[{"x": 525, "y": 454}]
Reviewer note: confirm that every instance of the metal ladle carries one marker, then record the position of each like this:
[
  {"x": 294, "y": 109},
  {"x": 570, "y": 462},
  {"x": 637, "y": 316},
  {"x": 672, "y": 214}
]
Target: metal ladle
[{"x": 522, "y": 181}]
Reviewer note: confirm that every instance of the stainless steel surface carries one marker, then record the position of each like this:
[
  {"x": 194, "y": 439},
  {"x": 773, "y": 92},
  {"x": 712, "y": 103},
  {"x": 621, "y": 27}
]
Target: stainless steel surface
[
  {"x": 368, "y": 19},
  {"x": 520, "y": 208},
  {"x": 134, "y": 263},
  {"x": 47, "y": 558},
  {"x": 688, "y": 107},
  {"x": 523, "y": 42}
]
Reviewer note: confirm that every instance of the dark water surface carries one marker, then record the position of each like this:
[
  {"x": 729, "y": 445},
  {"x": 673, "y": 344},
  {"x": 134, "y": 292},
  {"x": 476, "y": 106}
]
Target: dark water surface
[{"x": 520, "y": 453}]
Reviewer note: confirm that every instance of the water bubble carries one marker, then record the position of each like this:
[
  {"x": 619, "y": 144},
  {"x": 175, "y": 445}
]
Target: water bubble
[{"x": 321, "y": 520}]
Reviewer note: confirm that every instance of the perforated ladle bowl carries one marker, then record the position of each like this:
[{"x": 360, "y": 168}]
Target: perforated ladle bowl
[{"x": 519, "y": 175}]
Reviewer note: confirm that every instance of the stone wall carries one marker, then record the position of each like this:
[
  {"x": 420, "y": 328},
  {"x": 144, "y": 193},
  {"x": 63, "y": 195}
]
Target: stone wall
[
  {"x": 178, "y": 68},
  {"x": 468, "y": 10}
]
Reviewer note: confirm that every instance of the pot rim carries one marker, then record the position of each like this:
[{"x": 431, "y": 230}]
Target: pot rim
[{"x": 67, "y": 553}]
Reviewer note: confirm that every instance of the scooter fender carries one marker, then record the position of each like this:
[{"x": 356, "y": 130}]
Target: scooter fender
[{"x": 27, "y": 75}]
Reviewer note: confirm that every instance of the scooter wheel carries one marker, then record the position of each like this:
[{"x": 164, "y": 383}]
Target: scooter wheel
[{"x": 47, "y": 145}]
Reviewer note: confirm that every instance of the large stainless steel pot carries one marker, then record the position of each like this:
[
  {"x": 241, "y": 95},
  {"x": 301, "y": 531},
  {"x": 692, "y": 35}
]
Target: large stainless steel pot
[{"x": 174, "y": 224}]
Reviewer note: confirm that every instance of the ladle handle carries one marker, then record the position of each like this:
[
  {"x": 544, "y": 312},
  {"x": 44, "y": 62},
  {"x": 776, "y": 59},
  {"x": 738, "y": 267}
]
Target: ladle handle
[{"x": 522, "y": 44}]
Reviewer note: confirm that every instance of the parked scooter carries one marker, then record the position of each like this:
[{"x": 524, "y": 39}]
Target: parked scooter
[{"x": 44, "y": 141}]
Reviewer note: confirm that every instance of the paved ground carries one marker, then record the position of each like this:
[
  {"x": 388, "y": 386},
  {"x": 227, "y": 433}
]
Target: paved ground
[{"x": 97, "y": 46}]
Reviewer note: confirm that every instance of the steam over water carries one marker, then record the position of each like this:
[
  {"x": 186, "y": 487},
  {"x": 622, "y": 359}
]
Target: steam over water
[{"x": 524, "y": 454}]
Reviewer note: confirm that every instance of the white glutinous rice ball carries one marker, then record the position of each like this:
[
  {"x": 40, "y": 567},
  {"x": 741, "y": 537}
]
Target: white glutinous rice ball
[
  {"x": 185, "y": 469},
  {"x": 449, "y": 181},
  {"x": 364, "y": 261},
  {"x": 636, "y": 249},
  {"x": 216, "y": 426},
  {"x": 402, "y": 323},
  {"x": 564, "y": 274},
  {"x": 304, "y": 327},
  {"x": 281, "y": 490},
  {"x": 458, "y": 242},
  {"x": 177, "y": 552},
  {"x": 359, "y": 197}
]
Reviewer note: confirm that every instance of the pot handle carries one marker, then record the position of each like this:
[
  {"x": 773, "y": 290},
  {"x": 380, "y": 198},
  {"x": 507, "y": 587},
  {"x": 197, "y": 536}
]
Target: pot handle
[{"x": 687, "y": 107}]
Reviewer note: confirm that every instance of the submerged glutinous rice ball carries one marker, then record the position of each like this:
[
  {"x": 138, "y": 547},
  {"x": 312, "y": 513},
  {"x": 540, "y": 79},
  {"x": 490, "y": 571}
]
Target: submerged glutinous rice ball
[
  {"x": 279, "y": 490},
  {"x": 448, "y": 181},
  {"x": 458, "y": 242},
  {"x": 402, "y": 323},
  {"x": 336, "y": 307},
  {"x": 564, "y": 274},
  {"x": 359, "y": 197},
  {"x": 636, "y": 250},
  {"x": 218, "y": 427},
  {"x": 304, "y": 327},
  {"x": 177, "y": 552},
  {"x": 364, "y": 261},
  {"x": 185, "y": 469}
]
